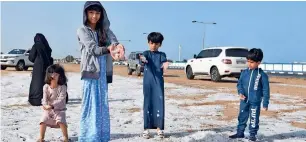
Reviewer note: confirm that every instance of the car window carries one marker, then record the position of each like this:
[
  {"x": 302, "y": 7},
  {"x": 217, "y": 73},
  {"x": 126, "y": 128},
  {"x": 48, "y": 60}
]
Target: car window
[
  {"x": 134, "y": 56},
  {"x": 216, "y": 52},
  {"x": 138, "y": 55},
  {"x": 208, "y": 53},
  {"x": 201, "y": 54},
  {"x": 17, "y": 51},
  {"x": 236, "y": 52}
]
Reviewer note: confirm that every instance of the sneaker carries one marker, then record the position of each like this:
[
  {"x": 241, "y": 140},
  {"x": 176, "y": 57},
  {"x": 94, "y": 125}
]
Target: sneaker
[
  {"x": 252, "y": 138},
  {"x": 146, "y": 134},
  {"x": 236, "y": 136}
]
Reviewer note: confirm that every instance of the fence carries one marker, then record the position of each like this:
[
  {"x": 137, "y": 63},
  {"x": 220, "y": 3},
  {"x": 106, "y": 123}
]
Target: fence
[
  {"x": 285, "y": 68},
  {"x": 177, "y": 66},
  {"x": 294, "y": 69}
]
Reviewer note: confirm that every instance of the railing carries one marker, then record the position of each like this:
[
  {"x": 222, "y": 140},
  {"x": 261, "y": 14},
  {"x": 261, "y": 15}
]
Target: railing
[
  {"x": 284, "y": 68},
  {"x": 177, "y": 66},
  {"x": 271, "y": 68}
]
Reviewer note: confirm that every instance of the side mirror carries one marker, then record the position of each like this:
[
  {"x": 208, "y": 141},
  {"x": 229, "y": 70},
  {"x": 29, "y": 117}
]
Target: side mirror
[{"x": 194, "y": 56}]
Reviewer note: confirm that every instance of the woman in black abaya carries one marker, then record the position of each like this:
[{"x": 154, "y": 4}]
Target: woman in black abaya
[{"x": 40, "y": 55}]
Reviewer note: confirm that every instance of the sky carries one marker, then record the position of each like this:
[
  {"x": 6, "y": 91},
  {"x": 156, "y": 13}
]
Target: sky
[{"x": 278, "y": 28}]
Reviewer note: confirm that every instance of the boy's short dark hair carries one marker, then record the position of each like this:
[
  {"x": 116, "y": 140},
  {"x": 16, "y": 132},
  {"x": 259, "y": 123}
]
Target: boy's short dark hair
[
  {"x": 56, "y": 68},
  {"x": 155, "y": 37},
  {"x": 255, "y": 54}
]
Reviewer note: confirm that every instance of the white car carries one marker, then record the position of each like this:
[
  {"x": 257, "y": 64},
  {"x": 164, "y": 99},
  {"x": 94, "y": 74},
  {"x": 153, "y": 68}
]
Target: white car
[
  {"x": 218, "y": 62},
  {"x": 17, "y": 58}
]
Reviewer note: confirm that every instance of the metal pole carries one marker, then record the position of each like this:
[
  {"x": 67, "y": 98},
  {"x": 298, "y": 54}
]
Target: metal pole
[
  {"x": 180, "y": 52},
  {"x": 204, "y": 24},
  {"x": 204, "y": 37}
]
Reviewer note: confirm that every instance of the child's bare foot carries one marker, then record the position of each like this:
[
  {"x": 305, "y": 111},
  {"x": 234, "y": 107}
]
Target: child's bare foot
[{"x": 66, "y": 140}]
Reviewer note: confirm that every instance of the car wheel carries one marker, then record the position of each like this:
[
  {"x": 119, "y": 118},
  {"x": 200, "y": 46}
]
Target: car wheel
[
  {"x": 214, "y": 74},
  {"x": 138, "y": 72},
  {"x": 3, "y": 67},
  {"x": 130, "y": 71},
  {"x": 189, "y": 73},
  {"x": 20, "y": 66}
]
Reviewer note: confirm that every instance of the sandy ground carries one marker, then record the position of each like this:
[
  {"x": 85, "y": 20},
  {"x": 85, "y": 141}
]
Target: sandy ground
[{"x": 197, "y": 110}]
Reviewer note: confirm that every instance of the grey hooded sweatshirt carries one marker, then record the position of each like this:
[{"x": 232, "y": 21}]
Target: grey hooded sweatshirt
[{"x": 90, "y": 51}]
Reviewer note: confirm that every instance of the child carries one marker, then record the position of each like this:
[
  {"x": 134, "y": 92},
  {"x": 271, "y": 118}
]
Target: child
[
  {"x": 98, "y": 45},
  {"x": 153, "y": 85},
  {"x": 253, "y": 85},
  {"x": 54, "y": 101}
]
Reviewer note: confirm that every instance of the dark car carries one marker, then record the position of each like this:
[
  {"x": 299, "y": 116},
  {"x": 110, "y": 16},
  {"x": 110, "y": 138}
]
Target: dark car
[{"x": 134, "y": 63}]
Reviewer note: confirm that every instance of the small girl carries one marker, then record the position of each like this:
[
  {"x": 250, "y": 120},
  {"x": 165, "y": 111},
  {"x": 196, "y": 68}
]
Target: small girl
[{"x": 54, "y": 101}]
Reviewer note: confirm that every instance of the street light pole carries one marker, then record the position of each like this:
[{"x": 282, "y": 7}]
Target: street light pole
[
  {"x": 204, "y": 25},
  {"x": 204, "y": 36},
  {"x": 180, "y": 52}
]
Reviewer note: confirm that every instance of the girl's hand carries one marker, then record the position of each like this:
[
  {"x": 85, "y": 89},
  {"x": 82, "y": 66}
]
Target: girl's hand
[
  {"x": 121, "y": 49},
  {"x": 47, "y": 107},
  {"x": 165, "y": 66},
  {"x": 265, "y": 109},
  {"x": 114, "y": 52}
]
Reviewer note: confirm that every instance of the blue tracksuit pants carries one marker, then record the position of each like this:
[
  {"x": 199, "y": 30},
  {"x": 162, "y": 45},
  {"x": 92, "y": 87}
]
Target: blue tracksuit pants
[{"x": 248, "y": 110}]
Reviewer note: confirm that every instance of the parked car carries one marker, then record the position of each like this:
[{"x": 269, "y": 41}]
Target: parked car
[
  {"x": 218, "y": 62},
  {"x": 17, "y": 58},
  {"x": 134, "y": 63}
]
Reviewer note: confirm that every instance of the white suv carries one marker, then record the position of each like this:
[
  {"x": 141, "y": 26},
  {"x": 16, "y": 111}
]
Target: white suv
[
  {"x": 17, "y": 58},
  {"x": 218, "y": 62}
]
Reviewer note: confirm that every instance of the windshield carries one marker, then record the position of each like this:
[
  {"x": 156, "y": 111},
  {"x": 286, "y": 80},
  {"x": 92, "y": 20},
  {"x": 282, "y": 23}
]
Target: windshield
[{"x": 17, "y": 51}]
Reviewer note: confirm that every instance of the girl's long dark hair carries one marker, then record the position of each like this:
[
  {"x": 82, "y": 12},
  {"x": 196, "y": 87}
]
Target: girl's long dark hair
[
  {"x": 99, "y": 27},
  {"x": 56, "y": 68},
  {"x": 102, "y": 36}
]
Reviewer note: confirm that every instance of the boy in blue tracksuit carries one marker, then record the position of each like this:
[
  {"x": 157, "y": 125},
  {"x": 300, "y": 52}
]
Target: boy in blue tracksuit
[{"x": 253, "y": 88}]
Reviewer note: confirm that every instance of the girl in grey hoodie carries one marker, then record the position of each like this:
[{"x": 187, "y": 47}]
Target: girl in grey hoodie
[{"x": 97, "y": 43}]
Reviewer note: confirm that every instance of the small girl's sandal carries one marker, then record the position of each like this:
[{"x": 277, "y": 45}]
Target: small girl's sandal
[
  {"x": 145, "y": 134},
  {"x": 160, "y": 134}
]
